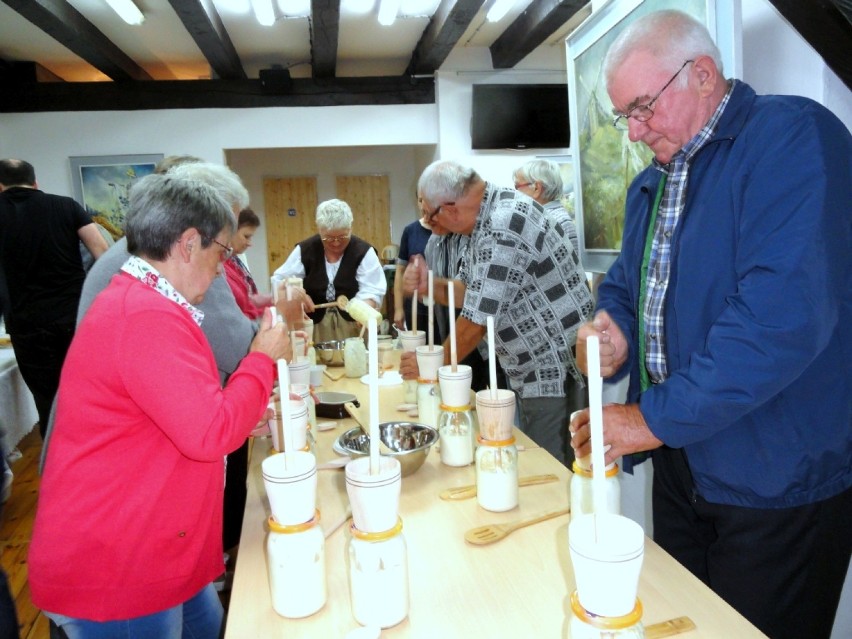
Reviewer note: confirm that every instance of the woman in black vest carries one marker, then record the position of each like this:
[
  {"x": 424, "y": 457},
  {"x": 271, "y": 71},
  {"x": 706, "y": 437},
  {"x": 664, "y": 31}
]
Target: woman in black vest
[{"x": 332, "y": 263}]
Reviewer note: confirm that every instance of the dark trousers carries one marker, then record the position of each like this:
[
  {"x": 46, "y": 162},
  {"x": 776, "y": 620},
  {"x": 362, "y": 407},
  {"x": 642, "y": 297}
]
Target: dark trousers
[
  {"x": 782, "y": 569},
  {"x": 40, "y": 353},
  {"x": 234, "y": 504},
  {"x": 8, "y": 614}
]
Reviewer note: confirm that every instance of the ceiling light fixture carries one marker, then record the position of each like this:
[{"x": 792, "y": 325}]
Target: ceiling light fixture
[
  {"x": 387, "y": 12},
  {"x": 264, "y": 12},
  {"x": 128, "y": 11},
  {"x": 499, "y": 9}
]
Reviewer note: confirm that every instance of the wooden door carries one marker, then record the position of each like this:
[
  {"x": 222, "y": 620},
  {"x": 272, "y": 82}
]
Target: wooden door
[
  {"x": 369, "y": 198},
  {"x": 291, "y": 206}
]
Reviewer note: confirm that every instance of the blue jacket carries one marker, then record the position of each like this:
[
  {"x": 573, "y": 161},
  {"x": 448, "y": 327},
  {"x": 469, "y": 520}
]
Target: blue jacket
[{"x": 758, "y": 313}]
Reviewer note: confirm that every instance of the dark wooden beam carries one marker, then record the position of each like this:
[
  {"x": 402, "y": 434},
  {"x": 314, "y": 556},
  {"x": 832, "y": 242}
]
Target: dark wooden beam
[
  {"x": 325, "y": 28},
  {"x": 201, "y": 94},
  {"x": 71, "y": 29},
  {"x": 203, "y": 23},
  {"x": 826, "y": 29},
  {"x": 537, "y": 23},
  {"x": 445, "y": 28}
]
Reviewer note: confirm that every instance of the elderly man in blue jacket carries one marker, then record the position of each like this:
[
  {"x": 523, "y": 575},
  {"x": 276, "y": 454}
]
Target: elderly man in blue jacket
[{"x": 736, "y": 254}]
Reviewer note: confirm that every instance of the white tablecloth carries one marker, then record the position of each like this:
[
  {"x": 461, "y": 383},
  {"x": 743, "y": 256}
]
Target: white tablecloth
[{"x": 17, "y": 409}]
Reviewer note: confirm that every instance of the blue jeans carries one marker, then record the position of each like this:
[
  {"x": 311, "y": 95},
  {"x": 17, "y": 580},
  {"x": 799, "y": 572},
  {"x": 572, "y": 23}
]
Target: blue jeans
[{"x": 198, "y": 618}]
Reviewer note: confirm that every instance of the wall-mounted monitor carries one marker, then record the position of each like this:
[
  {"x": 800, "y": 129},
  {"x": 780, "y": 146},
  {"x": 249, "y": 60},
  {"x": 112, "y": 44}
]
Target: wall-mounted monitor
[{"x": 520, "y": 116}]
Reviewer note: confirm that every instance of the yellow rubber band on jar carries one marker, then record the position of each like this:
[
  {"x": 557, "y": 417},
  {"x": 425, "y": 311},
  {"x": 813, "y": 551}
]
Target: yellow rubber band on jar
[
  {"x": 272, "y": 450},
  {"x": 578, "y": 470},
  {"x": 376, "y": 536},
  {"x": 455, "y": 409},
  {"x": 423, "y": 380},
  {"x": 495, "y": 442},
  {"x": 274, "y": 526},
  {"x": 605, "y": 623}
]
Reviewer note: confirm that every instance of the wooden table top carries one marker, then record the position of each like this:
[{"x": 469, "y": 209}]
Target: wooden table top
[{"x": 516, "y": 588}]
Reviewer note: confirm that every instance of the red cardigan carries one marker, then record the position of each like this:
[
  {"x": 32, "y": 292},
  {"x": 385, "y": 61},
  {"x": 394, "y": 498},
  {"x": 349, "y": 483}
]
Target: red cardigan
[
  {"x": 129, "y": 518},
  {"x": 237, "y": 281}
]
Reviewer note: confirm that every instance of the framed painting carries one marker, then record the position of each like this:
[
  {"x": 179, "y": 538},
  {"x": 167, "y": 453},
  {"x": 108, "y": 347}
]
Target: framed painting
[
  {"x": 102, "y": 184},
  {"x": 605, "y": 160}
]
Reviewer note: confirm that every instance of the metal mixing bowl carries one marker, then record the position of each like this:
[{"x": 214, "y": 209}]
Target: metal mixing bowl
[
  {"x": 330, "y": 353},
  {"x": 409, "y": 442}
]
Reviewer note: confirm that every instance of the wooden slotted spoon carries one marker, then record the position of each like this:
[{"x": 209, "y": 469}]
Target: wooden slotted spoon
[
  {"x": 466, "y": 492},
  {"x": 669, "y": 628},
  {"x": 490, "y": 533}
]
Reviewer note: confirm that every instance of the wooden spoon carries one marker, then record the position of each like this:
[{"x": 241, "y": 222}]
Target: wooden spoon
[
  {"x": 669, "y": 628},
  {"x": 356, "y": 415},
  {"x": 490, "y": 533},
  {"x": 466, "y": 492}
]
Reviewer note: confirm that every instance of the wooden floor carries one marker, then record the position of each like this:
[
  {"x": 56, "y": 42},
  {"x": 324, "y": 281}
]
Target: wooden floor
[{"x": 16, "y": 526}]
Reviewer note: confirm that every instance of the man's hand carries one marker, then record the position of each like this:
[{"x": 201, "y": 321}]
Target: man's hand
[
  {"x": 624, "y": 431},
  {"x": 612, "y": 344},
  {"x": 408, "y": 366},
  {"x": 416, "y": 277}
]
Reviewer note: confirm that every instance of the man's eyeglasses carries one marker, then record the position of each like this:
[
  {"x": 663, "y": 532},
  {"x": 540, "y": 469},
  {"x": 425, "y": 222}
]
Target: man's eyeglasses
[
  {"x": 643, "y": 112},
  {"x": 227, "y": 253},
  {"x": 330, "y": 239},
  {"x": 437, "y": 210}
]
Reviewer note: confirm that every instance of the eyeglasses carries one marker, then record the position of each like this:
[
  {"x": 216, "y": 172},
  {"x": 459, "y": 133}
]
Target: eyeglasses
[
  {"x": 437, "y": 210},
  {"x": 643, "y": 112},
  {"x": 227, "y": 253},
  {"x": 523, "y": 184},
  {"x": 335, "y": 238}
]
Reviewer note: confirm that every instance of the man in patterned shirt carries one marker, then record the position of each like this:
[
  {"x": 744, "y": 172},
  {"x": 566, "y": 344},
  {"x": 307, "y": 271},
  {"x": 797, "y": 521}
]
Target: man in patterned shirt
[
  {"x": 729, "y": 307},
  {"x": 520, "y": 269}
]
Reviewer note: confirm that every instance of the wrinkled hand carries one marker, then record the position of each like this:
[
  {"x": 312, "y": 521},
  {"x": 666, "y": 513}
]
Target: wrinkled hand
[
  {"x": 612, "y": 344},
  {"x": 624, "y": 431},
  {"x": 399, "y": 319},
  {"x": 416, "y": 277},
  {"x": 408, "y": 366},
  {"x": 272, "y": 340}
]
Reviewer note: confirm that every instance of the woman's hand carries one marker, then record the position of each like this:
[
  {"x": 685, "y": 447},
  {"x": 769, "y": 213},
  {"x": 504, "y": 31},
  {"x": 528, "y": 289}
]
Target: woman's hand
[{"x": 272, "y": 340}]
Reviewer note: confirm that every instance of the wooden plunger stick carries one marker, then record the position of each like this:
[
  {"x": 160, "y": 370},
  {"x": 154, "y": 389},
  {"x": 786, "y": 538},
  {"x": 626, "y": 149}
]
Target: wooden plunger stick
[
  {"x": 431, "y": 293},
  {"x": 596, "y": 419},
  {"x": 375, "y": 437},
  {"x": 492, "y": 357},
  {"x": 414, "y": 313},
  {"x": 451, "y": 300}
]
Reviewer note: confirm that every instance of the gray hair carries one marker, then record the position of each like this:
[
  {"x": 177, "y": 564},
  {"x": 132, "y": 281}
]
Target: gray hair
[
  {"x": 445, "y": 181},
  {"x": 162, "y": 207},
  {"x": 219, "y": 176},
  {"x": 333, "y": 215},
  {"x": 672, "y": 37},
  {"x": 543, "y": 171}
]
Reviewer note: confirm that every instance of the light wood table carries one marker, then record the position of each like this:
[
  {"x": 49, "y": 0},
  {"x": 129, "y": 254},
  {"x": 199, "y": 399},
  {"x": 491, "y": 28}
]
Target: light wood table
[{"x": 516, "y": 588}]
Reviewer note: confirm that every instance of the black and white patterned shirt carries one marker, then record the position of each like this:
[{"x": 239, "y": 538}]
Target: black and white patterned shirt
[{"x": 520, "y": 268}]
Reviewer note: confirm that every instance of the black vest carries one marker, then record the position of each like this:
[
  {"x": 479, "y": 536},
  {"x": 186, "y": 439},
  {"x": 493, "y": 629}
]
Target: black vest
[{"x": 316, "y": 278}]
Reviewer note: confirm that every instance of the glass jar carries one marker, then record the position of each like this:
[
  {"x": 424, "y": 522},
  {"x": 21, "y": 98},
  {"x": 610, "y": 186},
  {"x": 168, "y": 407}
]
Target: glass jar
[
  {"x": 354, "y": 357},
  {"x": 428, "y": 401},
  {"x": 455, "y": 426},
  {"x": 497, "y": 474},
  {"x": 582, "y": 497},
  {"x": 378, "y": 576},
  {"x": 586, "y": 625},
  {"x": 296, "y": 563}
]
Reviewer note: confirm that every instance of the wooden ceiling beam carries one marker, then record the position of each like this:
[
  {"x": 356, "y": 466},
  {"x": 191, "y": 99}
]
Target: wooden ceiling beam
[
  {"x": 203, "y": 94},
  {"x": 538, "y": 22},
  {"x": 446, "y": 27},
  {"x": 826, "y": 29},
  {"x": 325, "y": 29},
  {"x": 61, "y": 21},
  {"x": 203, "y": 23}
]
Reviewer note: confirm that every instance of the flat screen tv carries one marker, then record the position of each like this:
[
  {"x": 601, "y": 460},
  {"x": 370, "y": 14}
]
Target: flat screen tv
[{"x": 519, "y": 116}]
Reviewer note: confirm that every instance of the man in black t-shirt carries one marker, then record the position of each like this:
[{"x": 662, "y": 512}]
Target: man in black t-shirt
[{"x": 40, "y": 257}]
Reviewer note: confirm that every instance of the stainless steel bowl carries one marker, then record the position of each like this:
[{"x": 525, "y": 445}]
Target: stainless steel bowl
[
  {"x": 409, "y": 442},
  {"x": 330, "y": 353}
]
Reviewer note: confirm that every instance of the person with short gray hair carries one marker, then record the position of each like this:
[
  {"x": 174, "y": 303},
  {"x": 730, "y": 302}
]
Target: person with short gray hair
[
  {"x": 542, "y": 181},
  {"x": 332, "y": 263},
  {"x": 141, "y": 432}
]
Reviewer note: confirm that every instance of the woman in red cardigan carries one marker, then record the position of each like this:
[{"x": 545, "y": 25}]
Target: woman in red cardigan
[
  {"x": 128, "y": 532},
  {"x": 239, "y": 278}
]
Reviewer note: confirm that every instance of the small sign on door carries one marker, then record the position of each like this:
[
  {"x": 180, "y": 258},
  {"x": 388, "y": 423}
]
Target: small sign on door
[{"x": 291, "y": 212}]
